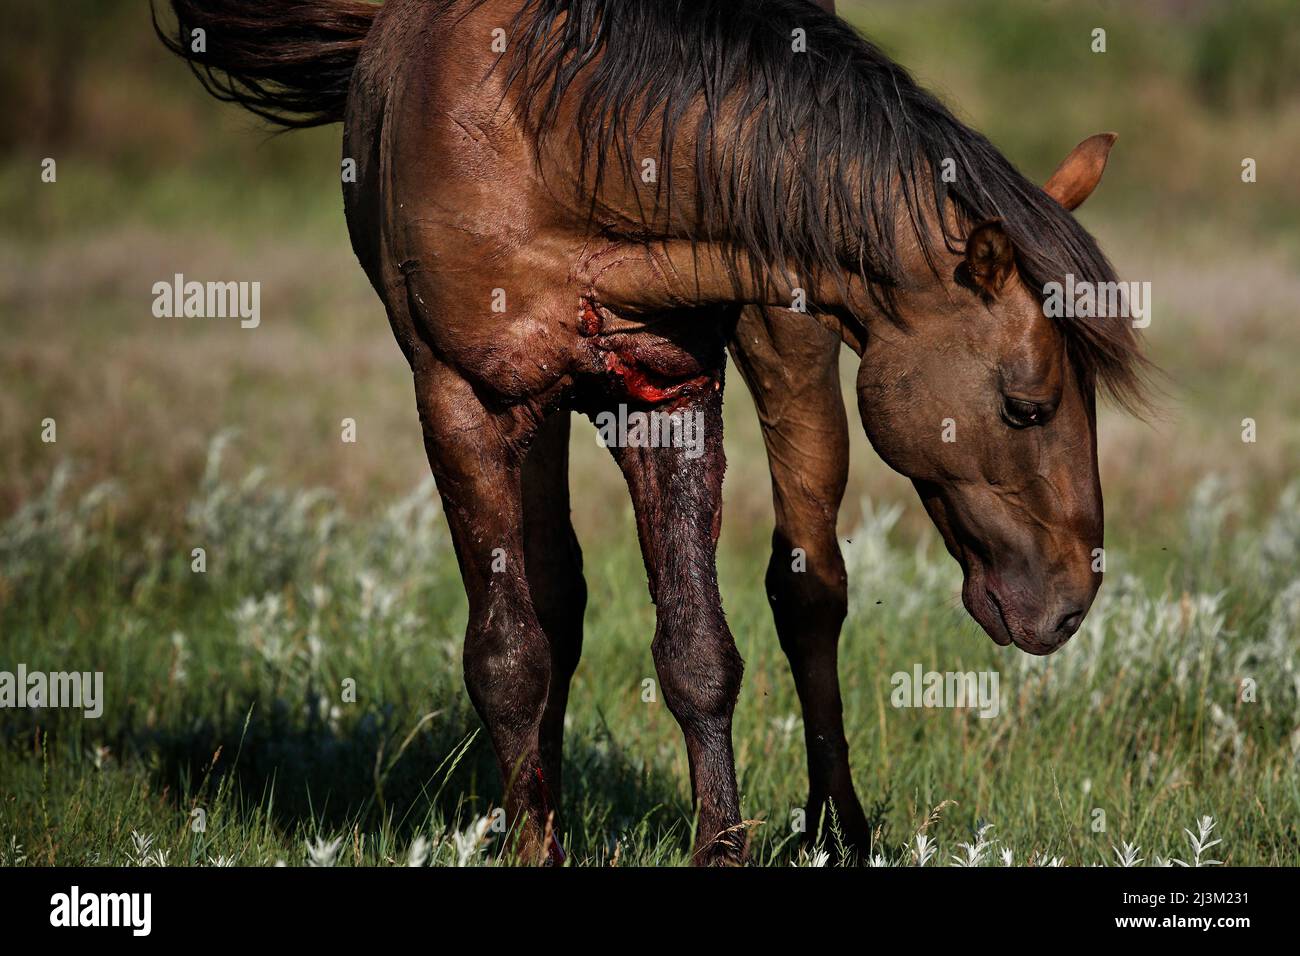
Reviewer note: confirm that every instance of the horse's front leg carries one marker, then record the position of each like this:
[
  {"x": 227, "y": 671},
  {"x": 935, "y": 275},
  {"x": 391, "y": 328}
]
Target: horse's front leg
[
  {"x": 477, "y": 459},
  {"x": 791, "y": 365},
  {"x": 677, "y": 495}
]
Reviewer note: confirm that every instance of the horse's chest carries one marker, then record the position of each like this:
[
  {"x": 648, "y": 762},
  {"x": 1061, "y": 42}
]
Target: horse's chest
[
  {"x": 525, "y": 324},
  {"x": 651, "y": 360}
]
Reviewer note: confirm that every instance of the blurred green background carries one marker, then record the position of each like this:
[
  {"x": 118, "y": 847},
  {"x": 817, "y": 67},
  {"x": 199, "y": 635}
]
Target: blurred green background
[{"x": 155, "y": 178}]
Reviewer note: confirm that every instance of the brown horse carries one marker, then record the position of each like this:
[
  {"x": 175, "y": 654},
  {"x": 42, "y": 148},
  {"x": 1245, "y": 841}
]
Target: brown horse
[{"x": 580, "y": 204}]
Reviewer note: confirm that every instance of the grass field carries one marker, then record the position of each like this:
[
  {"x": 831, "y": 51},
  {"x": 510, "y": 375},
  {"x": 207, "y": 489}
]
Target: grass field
[
  {"x": 223, "y": 695},
  {"x": 329, "y": 562}
]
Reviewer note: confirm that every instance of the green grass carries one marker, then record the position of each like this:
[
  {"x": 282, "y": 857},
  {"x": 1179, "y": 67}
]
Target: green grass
[{"x": 223, "y": 694}]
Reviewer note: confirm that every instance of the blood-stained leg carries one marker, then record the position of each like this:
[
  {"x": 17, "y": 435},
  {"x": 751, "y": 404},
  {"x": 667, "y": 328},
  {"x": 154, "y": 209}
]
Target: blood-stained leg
[{"x": 677, "y": 495}]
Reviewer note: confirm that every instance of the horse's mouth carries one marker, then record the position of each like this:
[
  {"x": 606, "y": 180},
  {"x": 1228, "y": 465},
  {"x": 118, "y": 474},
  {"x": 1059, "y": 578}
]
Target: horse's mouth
[
  {"x": 986, "y": 607},
  {"x": 1002, "y": 635}
]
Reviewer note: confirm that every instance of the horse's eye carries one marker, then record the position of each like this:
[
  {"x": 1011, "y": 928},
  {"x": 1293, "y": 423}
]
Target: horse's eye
[{"x": 1022, "y": 414}]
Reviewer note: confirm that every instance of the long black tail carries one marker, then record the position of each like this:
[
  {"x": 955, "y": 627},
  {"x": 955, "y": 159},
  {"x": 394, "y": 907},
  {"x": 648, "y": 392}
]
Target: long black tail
[{"x": 288, "y": 61}]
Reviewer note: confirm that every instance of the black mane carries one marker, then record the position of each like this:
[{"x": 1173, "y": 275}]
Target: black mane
[{"x": 803, "y": 157}]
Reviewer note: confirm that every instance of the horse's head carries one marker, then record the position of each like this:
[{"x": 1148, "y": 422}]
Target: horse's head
[{"x": 976, "y": 397}]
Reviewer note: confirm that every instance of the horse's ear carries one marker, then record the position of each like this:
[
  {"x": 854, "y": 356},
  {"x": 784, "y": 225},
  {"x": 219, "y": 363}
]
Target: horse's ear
[
  {"x": 990, "y": 257},
  {"x": 1080, "y": 172}
]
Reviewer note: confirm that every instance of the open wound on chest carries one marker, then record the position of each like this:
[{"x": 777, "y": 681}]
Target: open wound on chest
[{"x": 646, "y": 362}]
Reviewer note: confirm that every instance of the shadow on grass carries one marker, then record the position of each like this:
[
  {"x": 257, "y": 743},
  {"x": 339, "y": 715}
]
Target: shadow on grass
[
  {"x": 387, "y": 772},
  {"x": 315, "y": 776}
]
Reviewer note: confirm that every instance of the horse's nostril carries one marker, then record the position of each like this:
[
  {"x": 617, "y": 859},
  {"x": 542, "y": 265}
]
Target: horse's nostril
[{"x": 1069, "y": 623}]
